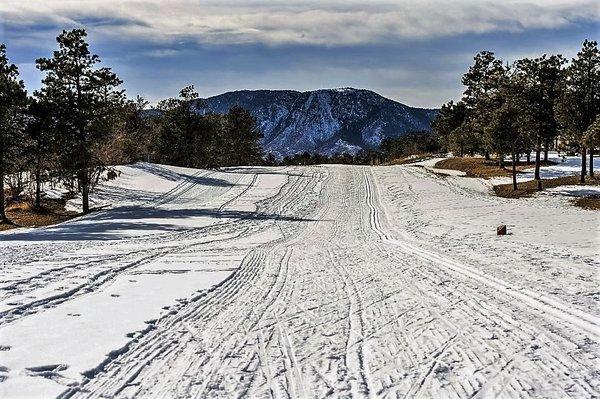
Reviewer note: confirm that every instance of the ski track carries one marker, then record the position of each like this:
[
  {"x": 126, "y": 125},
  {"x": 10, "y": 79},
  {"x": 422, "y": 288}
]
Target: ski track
[{"x": 362, "y": 294}]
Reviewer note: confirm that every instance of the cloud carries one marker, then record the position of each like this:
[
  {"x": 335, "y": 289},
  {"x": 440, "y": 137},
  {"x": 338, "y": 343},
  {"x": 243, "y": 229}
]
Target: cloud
[
  {"x": 308, "y": 22},
  {"x": 414, "y": 52}
]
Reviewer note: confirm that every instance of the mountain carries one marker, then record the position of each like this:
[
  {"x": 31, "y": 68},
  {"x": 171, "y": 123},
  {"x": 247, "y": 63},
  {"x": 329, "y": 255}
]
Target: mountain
[{"x": 325, "y": 121}]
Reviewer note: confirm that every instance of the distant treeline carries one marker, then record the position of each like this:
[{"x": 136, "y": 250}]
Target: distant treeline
[
  {"x": 80, "y": 122},
  {"x": 529, "y": 105},
  {"x": 390, "y": 149},
  {"x": 310, "y": 158},
  {"x": 413, "y": 143}
]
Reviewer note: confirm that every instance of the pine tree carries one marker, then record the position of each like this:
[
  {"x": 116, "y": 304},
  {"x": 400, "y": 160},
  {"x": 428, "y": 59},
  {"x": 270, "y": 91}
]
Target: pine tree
[
  {"x": 508, "y": 122},
  {"x": 243, "y": 137},
  {"x": 481, "y": 82},
  {"x": 592, "y": 140},
  {"x": 448, "y": 126},
  {"x": 136, "y": 132},
  {"x": 13, "y": 101},
  {"x": 579, "y": 103},
  {"x": 84, "y": 100},
  {"x": 183, "y": 138},
  {"x": 41, "y": 136},
  {"x": 540, "y": 80}
]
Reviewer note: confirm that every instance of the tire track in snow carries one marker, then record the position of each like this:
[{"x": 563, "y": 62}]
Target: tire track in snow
[
  {"x": 355, "y": 353},
  {"x": 194, "y": 312},
  {"x": 581, "y": 320},
  {"x": 277, "y": 329}
]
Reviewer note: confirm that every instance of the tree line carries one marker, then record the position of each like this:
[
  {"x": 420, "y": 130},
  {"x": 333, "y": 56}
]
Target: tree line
[
  {"x": 80, "y": 122},
  {"x": 529, "y": 105},
  {"x": 411, "y": 143}
]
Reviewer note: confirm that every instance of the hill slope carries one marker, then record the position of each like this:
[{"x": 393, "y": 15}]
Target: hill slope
[{"x": 326, "y": 121}]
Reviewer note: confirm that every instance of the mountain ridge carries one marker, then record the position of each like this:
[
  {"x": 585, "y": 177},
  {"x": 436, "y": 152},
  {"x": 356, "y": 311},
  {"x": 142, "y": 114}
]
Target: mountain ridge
[{"x": 326, "y": 121}]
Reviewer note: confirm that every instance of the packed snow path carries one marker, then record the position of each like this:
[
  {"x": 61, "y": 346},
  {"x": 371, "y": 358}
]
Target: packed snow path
[{"x": 330, "y": 281}]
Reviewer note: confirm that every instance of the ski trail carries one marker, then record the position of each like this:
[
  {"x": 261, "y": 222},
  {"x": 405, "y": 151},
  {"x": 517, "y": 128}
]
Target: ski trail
[
  {"x": 549, "y": 306},
  {"x": 355, "y": 354},
  {"x": 328, "y": 297}
]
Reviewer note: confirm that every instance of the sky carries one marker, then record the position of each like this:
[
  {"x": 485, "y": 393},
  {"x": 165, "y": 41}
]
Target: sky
[{"x": 411, "y": 51}]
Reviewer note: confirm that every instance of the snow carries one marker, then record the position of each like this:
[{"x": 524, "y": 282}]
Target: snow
[
  {"x": 565, "y": 166},
  {"x": 303, "y": 281},
  {"x": 340, "y": 147},
  {"x": 573, "y": 191},
  {"x": 429, "y": 164}
]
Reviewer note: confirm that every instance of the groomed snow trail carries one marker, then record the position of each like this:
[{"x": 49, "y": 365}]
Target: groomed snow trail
[{"x": 351, "y": 282}]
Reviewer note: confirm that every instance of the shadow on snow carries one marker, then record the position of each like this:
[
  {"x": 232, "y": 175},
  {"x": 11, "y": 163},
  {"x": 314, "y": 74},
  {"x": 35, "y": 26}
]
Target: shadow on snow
[
  {"x": 115, "y": 223},
  {"x": 172, "y": 175}
]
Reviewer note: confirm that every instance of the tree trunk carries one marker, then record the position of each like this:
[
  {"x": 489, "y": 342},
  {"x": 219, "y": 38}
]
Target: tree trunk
[
  {"x": 537, "y": 177},
  {"x": 583, "y": 166},
  {"x": 546, "y": 146},
  {"x": 501, "y": 160},
  {"x": 38, "y": 189},
  {"x": 528, "y": 157},
  {"x": 85, "y": 195},
  {"x": 3, "y": 217},
  {"x": 486, "y": 155},
  {"x": 514, "y": 170},
  {"x": 591, "y": 162}
]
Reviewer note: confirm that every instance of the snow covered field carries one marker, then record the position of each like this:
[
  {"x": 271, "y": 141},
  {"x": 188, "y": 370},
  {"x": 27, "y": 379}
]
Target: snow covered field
[{"x": 303, "y": 282}]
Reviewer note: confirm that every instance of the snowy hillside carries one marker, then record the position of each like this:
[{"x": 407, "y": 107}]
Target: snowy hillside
[
  {"x": 302, "y": 282},
  {"x": 326, "y": 121}
]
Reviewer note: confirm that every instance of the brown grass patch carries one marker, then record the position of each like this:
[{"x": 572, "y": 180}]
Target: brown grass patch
[
  {"x": 591, "y": 203},
  {"x": 411, "y": 159},
  {"x": 23, "y": 214},
  {"x": 479, "y": 167}
]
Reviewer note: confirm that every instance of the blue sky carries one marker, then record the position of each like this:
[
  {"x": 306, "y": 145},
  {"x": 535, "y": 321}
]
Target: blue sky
[{"x": 411, "y": 51}]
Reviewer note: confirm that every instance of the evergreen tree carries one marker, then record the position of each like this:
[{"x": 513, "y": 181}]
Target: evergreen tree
[
  {"x": 13, "y": 101},
  {"x": 540, "y": 78},
  {"x": 507, "y": 126},
  {"x": 579, "y": 103},
  {"x": 188, "y": 138},
  {"x": 137, "y": 133},
  {"x": 481, "y": 81},
  {"x": 449, "y": 126},
  {"x": 592, "y": 140},
  {"x": 243, "y": 136},
  {"x": 41, "y": 135},
  {"x": 84, "y": 100},
  {"x": 182, "y": 135}
]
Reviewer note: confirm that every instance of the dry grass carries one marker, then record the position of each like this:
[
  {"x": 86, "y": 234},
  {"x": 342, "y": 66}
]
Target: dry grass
[
  {"x": 591, "y": 203},
  {"x": 411, "y": 159},
  {"x": 23, "y": 214},
  {"x": 529, "y": 188},
  {"x": 479, "y": 167}
]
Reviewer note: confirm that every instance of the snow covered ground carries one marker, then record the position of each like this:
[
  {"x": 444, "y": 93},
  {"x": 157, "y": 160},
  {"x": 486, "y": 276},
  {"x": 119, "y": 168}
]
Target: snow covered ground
[
  {"x": 565, "y": 166},
  {"x": 303, "y": 282}
]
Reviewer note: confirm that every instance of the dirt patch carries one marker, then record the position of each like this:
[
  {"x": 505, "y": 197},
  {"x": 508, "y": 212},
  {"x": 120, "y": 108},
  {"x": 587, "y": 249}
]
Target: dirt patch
[
  {"x": 23, "y": 214},
  {"x": 486, "y": 169},
  {"x": 591, "y": 203},
  {"x": 529, "y": 188}
]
